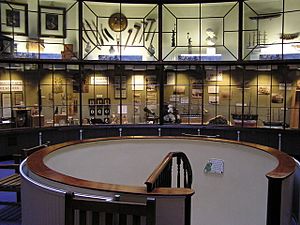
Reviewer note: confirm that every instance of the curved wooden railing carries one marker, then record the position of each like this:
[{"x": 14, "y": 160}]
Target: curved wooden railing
[
  {"x": 162, "y": 175},
  {"x": 285, "y": 167},
  {"x": 160, "y": 181}
]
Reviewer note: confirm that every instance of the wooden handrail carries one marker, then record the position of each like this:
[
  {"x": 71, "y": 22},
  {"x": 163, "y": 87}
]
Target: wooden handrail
[
  {"x": 159, "y": 172},
  {"x": 35, "y": 163}
]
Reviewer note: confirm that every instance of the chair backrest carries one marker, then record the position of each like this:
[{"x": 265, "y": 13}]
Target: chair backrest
[
  {"x": 28, "y": 151},
  {"x": 95, "y": 212}
]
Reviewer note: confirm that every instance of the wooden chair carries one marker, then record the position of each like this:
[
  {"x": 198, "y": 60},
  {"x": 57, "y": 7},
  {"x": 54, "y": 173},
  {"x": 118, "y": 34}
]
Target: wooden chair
[
  {"x": 12, "y": 183},
  {"x": 92, "y": 211}
]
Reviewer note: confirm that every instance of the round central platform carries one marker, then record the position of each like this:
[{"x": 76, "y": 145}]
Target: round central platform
[{"x": 238, "y": 196}]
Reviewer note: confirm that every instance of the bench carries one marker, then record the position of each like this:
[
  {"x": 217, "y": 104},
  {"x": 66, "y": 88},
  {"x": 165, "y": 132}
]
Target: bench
[
  {"x": 94, "y": 211},
  {"x": 12, "y": 183}
]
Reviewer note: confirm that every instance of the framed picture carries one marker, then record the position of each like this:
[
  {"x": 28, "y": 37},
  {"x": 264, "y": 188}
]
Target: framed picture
[
  {"x": 263, "y": 90},
  {"x": 277, "y": 98},
  {"x": 99, "y": 111},
  {"x": 213, "y": 75},
  {"x": 106, "y": 111},
  {"x": 14, "y": 18},
  {"x": 178, "y": 90},
  {"x": 120, "y": 87},
  {"x": 91, "y": 101},
  {"x": 18, "y": 98},
  {"x": 6, "y": 105},
  {"x": 99, "y": 101},
  {"x": 212, "y": 99},
  {"x": 52, "y": 22},
  {"x": 197, "y": 93},
  {"x": 92, "y": 111},
  {"x": 213, "y": 89},
  {"x": 151, "y": 83},
  {"x": 106, "y": 101}
]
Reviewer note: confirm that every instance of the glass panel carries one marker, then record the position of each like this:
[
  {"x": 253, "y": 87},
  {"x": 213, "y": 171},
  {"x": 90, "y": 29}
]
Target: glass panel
[
  {"x": 291, "y": 37},
  {"x": 291, "y": 5},
  {"x": 97, "y": 93},
  {"x": 14, "y": 112},
  {"x": 262, "y": 29},
  {"x": 39, "y": 30},
  {"x": 142, "y": 103},
  {"x": 205, "y": 38},
  {"x": 265, "y": 7},
  {"x": 127, "y": 32},
  {"x": 237, "y": 101},
  {"x": 292, "y": 98}
]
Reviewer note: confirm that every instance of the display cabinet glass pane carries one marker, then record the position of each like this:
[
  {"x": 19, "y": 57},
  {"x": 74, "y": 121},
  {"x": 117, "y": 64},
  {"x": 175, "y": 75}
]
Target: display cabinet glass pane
[
  {"x": 237, "y": 102},
  {"x": 181, "y": 31},
  {"x": 290, "y": 37},
  {"x": 207, "y": 39},
  {"x": 267, "y": 7},
  {"x": 183, "y": 95},
  {"x": 291, "y": 5},
  {"x": 40, "y": 30},
  {"x": 141, "y": 105},
  {"x": 97, "y": 102},
  {"x": 31, "y": 96},
  {"x": 127, "y": 32},
  {"x": 219, "y": 31},
  {"x": 216, "y": 95},
  {"x": 262, "y": 28},
  {"x": 14, "y": 112},
  {"x": 292, "y": 98}
]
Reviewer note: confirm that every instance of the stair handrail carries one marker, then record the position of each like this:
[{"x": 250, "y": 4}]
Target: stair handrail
[{"x": 162, "y": 175}]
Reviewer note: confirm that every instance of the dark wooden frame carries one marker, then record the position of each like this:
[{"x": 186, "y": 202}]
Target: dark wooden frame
[
  {"x": 18, "y": 97},
  {"x": 110, "y": 209},
  {"x": 24, "y": 30},
  {"x": 61, "y": 26}
]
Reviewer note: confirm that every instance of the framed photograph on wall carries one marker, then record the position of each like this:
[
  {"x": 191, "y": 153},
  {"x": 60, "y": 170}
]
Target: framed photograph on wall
[
  {"x": 92, "y": 111},
  {"x": 106, "y": 101},
  {"x": 120, "y": 87},
  {"x": 106, "y": 111},
  {"x": 99, "y": 111},
  {"x": 99, "y": 101},
  {"x": 91, "y": 101},
  {"x": 14, "y": 18},
  {"x": 52, "y": 22},
  {"x": 6, "y": 105},
  {"x": 18, "y": 98}
]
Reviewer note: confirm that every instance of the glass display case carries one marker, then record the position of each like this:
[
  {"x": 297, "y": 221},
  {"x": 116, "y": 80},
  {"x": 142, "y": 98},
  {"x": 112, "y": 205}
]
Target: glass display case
[{"x": 74, "y": 63}]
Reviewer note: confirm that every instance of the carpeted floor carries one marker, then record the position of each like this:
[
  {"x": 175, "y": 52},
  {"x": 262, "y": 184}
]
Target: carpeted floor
[{"x": 9, "y": 214}]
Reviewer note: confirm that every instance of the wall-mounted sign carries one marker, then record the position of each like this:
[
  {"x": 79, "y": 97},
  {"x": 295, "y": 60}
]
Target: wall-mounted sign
[
  {"x": 138, "y": 82},
  {"x": 11, "y": 85},
  {"x": 214, "y": 166},
  {"x": 213, "y": 75},
  {"x": 99, "y": 80}
]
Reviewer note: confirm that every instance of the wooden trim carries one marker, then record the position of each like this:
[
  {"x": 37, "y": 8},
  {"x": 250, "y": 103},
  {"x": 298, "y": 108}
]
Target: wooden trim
[
  {"x": 158, "y": 170},
  {"x": 274, "y": 202},
  {"x": 285, "y": 167}
]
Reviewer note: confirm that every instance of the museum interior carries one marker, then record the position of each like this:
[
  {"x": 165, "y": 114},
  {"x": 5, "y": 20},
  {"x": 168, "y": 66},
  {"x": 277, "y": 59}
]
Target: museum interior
[
  {"x": 73, "y": 70},
  {"x": 225, "y": 65}
]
